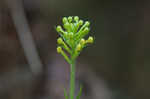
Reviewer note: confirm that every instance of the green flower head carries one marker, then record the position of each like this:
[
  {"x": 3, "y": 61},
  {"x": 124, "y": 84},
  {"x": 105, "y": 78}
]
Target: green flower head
[{"x": 72, "y": 36}]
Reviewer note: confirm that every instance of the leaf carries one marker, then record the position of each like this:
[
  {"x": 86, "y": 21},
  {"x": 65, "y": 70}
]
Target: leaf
[
  {"x": 80, "y": 92},
  {"x": 65, "y": 94}
]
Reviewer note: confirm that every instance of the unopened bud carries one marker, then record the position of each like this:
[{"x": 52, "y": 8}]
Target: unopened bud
[
  {"x": 59, "y": 41},
  {"x": 70, "y": 19},
  {"x": 70, "y": 35},
  {"x": 67, "y": 25},
  {"x": 86, "y": 29},
  {"x": 78, "y": 47},
  {"x": 90, "y": 39},
  {"x": 59, "y": 49},
  {"x": 76, "y": 18},
  {"x": 58, "y": 29},
  {"x": 80, "y": 22},
  {"x": 65, "y": 20},
  {"x": 82, "y": 41},
  {"x": 87, "y": 23}
]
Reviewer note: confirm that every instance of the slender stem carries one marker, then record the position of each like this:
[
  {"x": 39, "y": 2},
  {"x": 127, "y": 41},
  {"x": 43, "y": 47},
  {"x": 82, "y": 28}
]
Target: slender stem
[{"x": 72, "y": 79}]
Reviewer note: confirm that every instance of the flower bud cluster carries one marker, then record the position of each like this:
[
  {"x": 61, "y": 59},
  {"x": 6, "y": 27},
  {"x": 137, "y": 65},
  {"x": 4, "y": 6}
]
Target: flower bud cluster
[{"x": 72, "y": 36}]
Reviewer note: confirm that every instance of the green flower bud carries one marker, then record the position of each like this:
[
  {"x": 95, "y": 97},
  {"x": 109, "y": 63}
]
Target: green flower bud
[
  {"x": 58, "y": 28},
  {"x": 70, "y": 35},
  {"x": 90, "y": 40},
  {"x": 67, "y": 25},
  {"x": 70, "y": 19},
  {"x": 82, "y": 41},
  {"x": 76, "y": 18},
  {"x": 59, "y": 49},
  {"x": 65, "y": 20},
  {"x": 86, "y": 29},
  {"x": 80, "y": 22},
  {"x": 59, "y": 41},
  {"x": 87, "y": 23},
  {"x": 78, "y": 48}
]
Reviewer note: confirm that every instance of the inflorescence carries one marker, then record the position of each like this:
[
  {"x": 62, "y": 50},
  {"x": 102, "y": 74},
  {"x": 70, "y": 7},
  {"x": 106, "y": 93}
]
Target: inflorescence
[{"x": 72, "y": 37}]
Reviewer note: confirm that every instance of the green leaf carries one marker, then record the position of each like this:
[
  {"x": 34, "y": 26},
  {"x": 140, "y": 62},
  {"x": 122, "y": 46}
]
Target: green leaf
[
  {"x": 65, "y": 94},
  {"x": 80, "y": 92}
]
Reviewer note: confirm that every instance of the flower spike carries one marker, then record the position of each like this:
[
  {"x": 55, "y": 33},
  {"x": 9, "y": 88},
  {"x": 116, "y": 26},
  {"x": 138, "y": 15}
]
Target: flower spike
[{"x": 70, "y": 44}]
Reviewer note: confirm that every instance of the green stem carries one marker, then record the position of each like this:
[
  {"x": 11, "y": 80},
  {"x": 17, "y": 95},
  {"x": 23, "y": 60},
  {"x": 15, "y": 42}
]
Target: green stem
[{"x": 72, "y": 79}]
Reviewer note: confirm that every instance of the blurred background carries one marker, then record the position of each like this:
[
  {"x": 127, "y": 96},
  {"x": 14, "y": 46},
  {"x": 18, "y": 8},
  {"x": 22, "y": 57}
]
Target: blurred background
[{"x": 116, "y": 66}]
